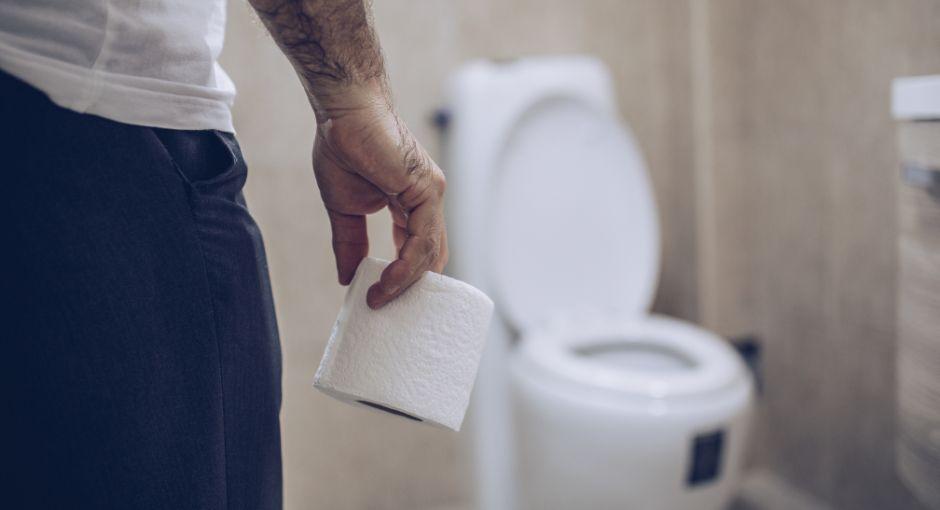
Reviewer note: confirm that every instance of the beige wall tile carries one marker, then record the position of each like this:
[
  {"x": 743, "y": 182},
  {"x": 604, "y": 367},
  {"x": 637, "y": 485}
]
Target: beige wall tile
[{"x": 800, "y": 242}]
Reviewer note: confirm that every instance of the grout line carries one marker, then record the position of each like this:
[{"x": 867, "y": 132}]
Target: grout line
[{"x": 702, "y": 148}]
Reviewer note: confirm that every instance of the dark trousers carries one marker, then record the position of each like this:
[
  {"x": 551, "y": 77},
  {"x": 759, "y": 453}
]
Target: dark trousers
[{"x": 140, "y": 366}]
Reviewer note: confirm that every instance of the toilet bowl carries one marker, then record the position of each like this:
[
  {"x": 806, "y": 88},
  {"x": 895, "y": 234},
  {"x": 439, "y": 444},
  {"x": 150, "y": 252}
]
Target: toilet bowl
[
  {"x": 648, "y": 413},
  {"x": 584, "y": 399}
]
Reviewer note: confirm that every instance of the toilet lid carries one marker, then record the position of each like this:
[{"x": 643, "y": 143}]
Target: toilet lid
[{"x": 573, "y": 221}]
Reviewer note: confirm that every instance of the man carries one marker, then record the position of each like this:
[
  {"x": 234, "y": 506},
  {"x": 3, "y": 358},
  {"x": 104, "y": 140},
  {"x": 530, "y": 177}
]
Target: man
[{"x": 141, "y": 363}]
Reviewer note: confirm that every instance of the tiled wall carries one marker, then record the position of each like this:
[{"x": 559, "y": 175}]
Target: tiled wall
[{"x": 796, "y": 148}]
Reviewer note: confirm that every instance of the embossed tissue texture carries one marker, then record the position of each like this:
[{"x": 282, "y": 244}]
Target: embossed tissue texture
[{"x": 418, "y": 355}]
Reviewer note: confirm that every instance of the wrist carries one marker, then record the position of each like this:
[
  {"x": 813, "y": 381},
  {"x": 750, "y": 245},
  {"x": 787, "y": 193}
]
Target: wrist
[{"x": 334, "y": 102}]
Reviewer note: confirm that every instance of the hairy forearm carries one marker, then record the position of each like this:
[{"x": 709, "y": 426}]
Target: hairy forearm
[
  {"x": 334, "y": 49},
  {"x": 364, "y": 156}
]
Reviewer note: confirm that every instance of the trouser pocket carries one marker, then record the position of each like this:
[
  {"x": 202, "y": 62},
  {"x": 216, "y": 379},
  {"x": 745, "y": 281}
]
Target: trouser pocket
[{"x": 208, "y": 161}]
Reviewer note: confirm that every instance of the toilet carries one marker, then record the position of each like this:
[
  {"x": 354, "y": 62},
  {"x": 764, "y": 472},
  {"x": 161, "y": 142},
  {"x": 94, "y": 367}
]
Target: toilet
[{"x": 584, "y": 399}]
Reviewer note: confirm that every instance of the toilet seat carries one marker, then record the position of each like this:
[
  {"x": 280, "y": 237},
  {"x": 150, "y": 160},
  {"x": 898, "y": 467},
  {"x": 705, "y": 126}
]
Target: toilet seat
[{"x": 563, "y": 350}]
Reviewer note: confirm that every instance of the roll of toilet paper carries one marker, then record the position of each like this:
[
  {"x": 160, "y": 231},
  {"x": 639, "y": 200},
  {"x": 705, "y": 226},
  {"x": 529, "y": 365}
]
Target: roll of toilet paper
[{"x": 416, "y": 357}]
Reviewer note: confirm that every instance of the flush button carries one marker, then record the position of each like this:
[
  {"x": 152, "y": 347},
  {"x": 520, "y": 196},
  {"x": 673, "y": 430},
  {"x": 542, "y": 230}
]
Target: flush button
[{"x": 706, "y": 457}]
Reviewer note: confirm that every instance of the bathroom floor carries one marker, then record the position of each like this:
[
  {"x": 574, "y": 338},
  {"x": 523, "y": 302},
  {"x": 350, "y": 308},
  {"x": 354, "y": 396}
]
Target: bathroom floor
[{"x": 762, "y": 490}]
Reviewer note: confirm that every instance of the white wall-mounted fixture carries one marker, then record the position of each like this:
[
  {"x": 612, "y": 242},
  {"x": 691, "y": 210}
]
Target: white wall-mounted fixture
[{"x": 916, "y": 97}]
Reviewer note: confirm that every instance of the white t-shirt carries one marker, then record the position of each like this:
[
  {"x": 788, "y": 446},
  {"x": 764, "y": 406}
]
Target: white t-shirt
[{"x": 146, "y": 62}]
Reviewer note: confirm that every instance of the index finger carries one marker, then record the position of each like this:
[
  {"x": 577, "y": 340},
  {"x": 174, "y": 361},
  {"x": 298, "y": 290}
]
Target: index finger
[{"x": 419, "y": 253}]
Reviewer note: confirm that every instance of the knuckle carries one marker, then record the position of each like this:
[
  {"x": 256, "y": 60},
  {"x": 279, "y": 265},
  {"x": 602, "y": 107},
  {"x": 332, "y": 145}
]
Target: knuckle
[
  {"x": 438, "y": 182},
  {"x": 414, "y": 159}
]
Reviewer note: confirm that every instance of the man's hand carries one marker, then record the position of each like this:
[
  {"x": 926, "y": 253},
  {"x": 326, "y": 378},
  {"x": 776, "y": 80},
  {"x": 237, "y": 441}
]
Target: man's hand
[
  {"x": 366, "y": 160},
  {"x": 364, "y": 157}
]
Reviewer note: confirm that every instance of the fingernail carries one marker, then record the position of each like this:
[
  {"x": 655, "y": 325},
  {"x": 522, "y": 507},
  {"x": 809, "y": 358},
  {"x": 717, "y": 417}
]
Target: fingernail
[{"x": 372, "y": 298}]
